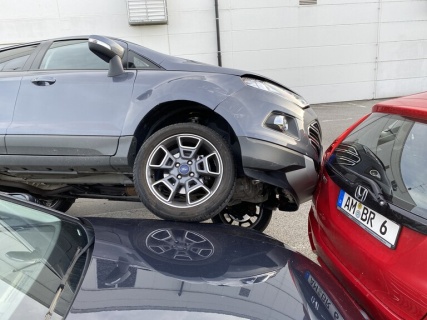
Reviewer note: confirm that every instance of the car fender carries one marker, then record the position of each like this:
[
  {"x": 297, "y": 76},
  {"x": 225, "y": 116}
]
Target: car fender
[{"x": 161, "y": 87}]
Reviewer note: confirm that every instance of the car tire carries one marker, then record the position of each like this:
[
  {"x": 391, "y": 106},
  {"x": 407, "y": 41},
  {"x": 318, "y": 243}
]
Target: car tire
[
  {"x": 60, "y": 204},
  {"x": 246, "y": 215},
  {"x": 185, "y": 172}
]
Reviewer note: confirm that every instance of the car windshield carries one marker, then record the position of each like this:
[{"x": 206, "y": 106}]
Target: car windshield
[
  {"x": 36, "y": 251},
  {"x": 389, "y": 150}
]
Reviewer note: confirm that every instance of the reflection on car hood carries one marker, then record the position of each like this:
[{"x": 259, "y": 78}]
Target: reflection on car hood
[{"x": 150, "y": 269}]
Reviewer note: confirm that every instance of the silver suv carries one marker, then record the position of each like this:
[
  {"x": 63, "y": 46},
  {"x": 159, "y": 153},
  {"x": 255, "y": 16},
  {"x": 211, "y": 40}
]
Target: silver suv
[{"x": 97, "y": 117}]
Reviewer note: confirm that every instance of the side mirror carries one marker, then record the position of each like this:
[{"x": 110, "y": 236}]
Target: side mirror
[
  {"x": 119, "y": 274},
  {"x": 109, "y": 51}
]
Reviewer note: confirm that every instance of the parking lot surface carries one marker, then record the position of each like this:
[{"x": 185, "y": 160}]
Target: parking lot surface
[{"x": 288, "y": 227}]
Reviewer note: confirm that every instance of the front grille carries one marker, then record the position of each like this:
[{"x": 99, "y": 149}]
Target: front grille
[{"x": 315, "y": 137}]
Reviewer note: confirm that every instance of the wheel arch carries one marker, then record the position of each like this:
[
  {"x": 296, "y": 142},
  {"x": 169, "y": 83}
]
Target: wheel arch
[{"x": 182, "y": 111}]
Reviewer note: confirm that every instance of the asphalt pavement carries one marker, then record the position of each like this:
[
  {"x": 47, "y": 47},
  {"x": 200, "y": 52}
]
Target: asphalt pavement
[{"x": 288, "y": 227}]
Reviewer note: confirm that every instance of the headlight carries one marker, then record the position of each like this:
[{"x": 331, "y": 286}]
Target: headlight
[
  {"x": 271, "y": 87},
  {"x": 282, "y": 122}
]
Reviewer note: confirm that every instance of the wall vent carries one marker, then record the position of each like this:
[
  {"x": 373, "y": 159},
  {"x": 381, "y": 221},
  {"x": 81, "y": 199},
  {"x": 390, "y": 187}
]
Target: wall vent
[
  {"x": 147, "y": 12},
  {"x": 307, "y": 2}
]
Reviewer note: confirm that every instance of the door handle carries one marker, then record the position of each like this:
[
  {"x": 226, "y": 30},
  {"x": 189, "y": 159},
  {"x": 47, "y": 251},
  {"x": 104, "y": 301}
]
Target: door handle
[{"x": 43, "y": 81}]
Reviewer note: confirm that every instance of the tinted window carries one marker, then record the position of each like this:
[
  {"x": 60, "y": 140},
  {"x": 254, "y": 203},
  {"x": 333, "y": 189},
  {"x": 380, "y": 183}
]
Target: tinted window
[
  {"x": 14, "y": 59},
  {"x": 135, "y": 61},
  {"x": 72, "y": 55},
  {"x": 389, "y": 150}
]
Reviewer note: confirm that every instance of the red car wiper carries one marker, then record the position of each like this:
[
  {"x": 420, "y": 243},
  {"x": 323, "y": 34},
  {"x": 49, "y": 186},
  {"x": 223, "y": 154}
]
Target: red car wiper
[{"x": 375, "y": 189}]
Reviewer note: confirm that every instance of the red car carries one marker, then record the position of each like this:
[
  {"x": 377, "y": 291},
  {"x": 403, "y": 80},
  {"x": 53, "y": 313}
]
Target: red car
[{"x": 368, "y": 220}]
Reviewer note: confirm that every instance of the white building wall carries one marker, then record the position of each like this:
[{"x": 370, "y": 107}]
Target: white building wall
[
  {"x": 334, "y": 51},
  {"x": 402, "y": 58}
]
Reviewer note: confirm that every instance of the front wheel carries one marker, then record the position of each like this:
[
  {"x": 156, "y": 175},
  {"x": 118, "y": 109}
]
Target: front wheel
[
  {"x": 246, "y": 215},
  {"x": 185, "y": 172}
]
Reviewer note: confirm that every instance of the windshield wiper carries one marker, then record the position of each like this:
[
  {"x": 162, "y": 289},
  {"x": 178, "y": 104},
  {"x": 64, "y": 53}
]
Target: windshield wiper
[
  {"x": 64, "y": 280},
  {"x": 376, "y": 190}
]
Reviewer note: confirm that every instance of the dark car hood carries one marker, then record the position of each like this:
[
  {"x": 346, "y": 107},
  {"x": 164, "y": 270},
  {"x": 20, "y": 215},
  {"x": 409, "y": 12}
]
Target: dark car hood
[{"x": 150, "y": 269}]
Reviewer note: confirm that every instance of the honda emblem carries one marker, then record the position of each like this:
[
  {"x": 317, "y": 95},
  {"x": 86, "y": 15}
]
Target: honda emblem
[{"x": 361, "y": 193}]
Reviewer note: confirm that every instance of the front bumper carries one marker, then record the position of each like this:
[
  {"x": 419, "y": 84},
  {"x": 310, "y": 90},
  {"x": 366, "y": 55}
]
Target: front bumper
[
  {"x": 279, "y": 166},
  {"x": 288, "y": 160},
  {"x": 247, "y": 110}
]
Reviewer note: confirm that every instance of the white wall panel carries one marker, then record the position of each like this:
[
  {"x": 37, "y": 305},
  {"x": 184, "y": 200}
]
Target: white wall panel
[
  {"x": 351, "y": 13},
  {"x": 403, "y": 31},
  {"x": 403, "y": 50},
  {"x": 225, "y": 20},
  {"x": 28, "y": 9},
  {"x": 320, "y": 75},
  {"x": 28, "y": 30},
  {"x": 340, "y": 2},
  {"x": 191, "y": 22},
  {"x": 114, "y": 25},
  {"x": 402, "y": 69},
  {"x": 265, "y": 60},
  {"x": 337, "y": 34},
  {"x": 297, "y": 37},
  {"x": 189, "y": 5},
  {"x": 241, "y": 4},
  {"x": 400, "y": 87},
  {"x": 196, "y": 43},
  {"x": 402, "y": 11},
  {"x": 253, "y": 40},
  {"x": 328, "y": 51},
  {"x": 259, "y": 60},
  {"x": 337, "y": 92},
  {"x": 264, "y": 18},
  {"x": 67, "y": 8},
  {"x": 336, "y": 55}
]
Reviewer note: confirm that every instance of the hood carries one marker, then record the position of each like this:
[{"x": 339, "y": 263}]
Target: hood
[
  {"x": 172, "y": 63},
  {"x": 150, "y": 269},
  {"x": 179, "y": 64}
]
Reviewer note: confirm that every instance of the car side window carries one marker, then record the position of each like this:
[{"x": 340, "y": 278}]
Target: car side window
[
  {"x": 14, "y": 59},
  {"x": 72, "y": 55},
  {"x": 135, "y": 61}
]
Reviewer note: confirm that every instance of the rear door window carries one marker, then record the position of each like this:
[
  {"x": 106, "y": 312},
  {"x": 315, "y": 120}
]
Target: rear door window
[{"x": 15, "y": 59}]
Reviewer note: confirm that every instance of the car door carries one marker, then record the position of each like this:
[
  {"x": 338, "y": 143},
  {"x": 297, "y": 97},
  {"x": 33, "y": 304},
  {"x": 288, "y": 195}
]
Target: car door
[
  {"x": 12, "y": 62},
  {"x": 68, "y": 105}
]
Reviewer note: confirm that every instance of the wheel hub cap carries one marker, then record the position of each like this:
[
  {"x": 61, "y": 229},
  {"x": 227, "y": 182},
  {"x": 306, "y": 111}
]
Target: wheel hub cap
[{"x": 184, "y": 169}]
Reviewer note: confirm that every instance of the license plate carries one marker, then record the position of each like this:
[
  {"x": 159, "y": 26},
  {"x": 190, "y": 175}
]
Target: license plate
[
  {"x": 333, "y": 311},
  {"x": 376, "y": 224}
]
